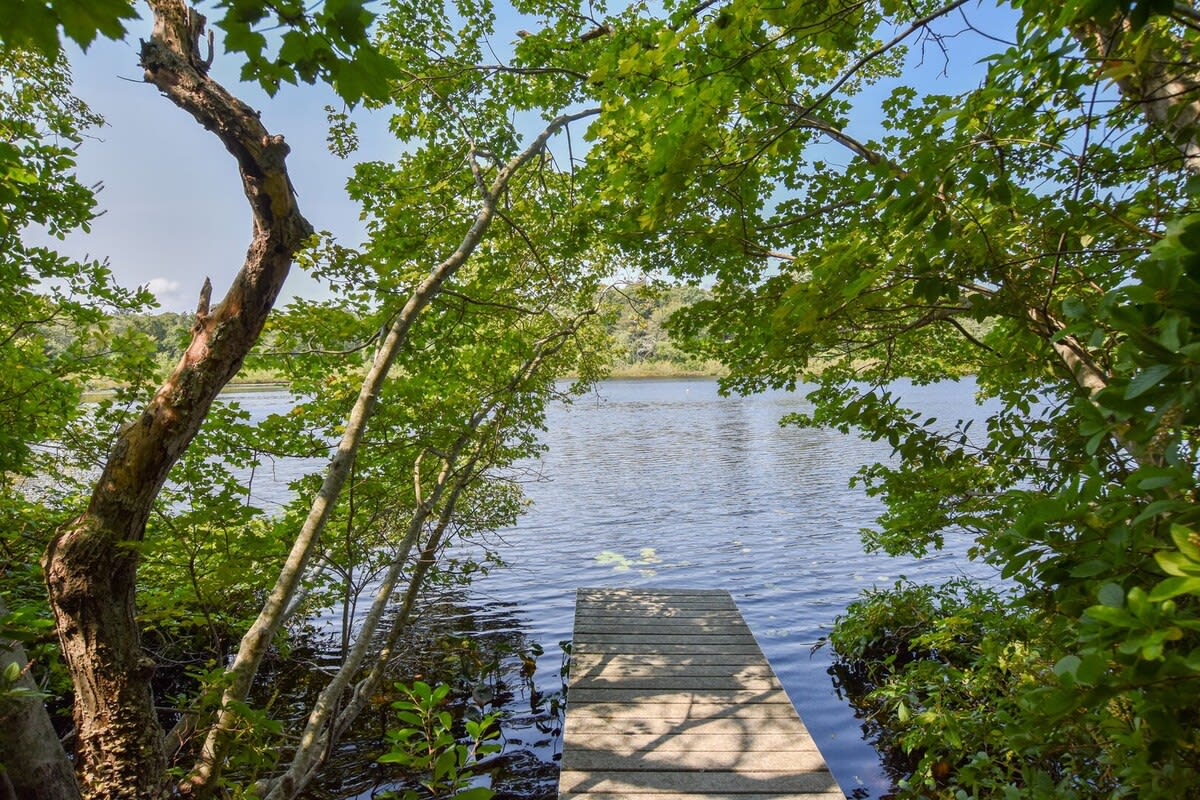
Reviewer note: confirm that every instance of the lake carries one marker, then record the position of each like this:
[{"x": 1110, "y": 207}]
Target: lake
[{"x": 664, "y": 483}]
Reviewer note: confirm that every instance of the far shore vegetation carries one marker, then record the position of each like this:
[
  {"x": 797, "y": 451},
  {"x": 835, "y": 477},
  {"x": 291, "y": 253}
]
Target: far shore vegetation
[{"x": 635, "y": 320}]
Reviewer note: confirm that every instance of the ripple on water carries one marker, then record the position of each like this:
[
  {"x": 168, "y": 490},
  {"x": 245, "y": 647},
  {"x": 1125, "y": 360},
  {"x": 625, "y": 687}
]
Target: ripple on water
[{"x": 726, "y": 498}]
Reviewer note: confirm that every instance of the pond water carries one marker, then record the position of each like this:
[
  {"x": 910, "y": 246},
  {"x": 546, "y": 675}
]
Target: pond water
[{"x": 665, "y": 483}]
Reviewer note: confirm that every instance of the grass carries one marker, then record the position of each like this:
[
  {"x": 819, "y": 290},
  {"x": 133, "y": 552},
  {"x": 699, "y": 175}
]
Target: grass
[{"x": 669, "y": 369}]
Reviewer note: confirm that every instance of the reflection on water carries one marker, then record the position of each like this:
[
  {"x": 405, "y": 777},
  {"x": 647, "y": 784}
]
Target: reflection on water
[
  {"x": 486, "y": 659},
  {"x": 665, "y": 483}
]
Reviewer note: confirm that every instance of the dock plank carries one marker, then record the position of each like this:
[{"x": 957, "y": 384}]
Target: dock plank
[
  {"x": 834, "y": 794},
  {"x": 670, "y": 698}
]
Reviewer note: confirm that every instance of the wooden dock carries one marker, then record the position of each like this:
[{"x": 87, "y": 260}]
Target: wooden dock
[{"x": 670, "y": 698}]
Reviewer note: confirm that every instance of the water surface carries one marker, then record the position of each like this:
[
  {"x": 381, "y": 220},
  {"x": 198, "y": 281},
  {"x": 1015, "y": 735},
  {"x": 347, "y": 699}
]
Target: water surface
[{"x": 664, "y": 483}]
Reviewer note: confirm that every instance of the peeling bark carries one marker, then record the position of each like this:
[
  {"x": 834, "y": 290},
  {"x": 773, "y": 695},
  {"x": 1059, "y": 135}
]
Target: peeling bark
[
  {"x": 91, "y": 563},
  {"x": 1088, "y": 375}
]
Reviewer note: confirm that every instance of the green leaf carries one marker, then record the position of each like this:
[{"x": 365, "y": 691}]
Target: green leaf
[
  {"x": 1058, "y": 702},
  {"x": 243, "y": 39},
  {"x": 475, "y": 793},
  {"x": 396, "y": 757},
  {"x": 1176, "y": 563},
  {"x": 1112, "y": 616},
  {"x": 1067, "y": 665},
  {"x": 1089, "y": 569},
  {"x": 446, "y": 765},
  {"x": 1147, "y": 380},
  {"x": 1175, "y": 586},
  {"x": 82, "y": 20},
  {"x": 1111, "y": 595},
  {"x": 1187, "y": 540},
  {"x": 296, "y": 46},
  {"x": 1091, "y": 669}
]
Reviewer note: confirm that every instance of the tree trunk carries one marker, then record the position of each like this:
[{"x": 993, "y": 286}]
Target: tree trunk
[
  {"x": 91, "y": 564},
  {"x": 1163, "y": 82},
  {"x": 33, "y": 762},
  {"x": 253, "y": 646},
  {"x": 323, "y": 727}
]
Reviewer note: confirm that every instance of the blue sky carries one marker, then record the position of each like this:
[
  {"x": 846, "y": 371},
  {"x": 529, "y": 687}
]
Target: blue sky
[{"x": 174, "y": 213}]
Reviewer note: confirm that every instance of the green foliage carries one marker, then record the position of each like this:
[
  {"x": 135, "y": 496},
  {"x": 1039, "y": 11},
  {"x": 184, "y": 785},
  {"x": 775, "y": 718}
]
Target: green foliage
[
  {"x": 468, "y": 395},
  {"x": 327, "y": 42},
  {"x": 636, "y": 317},
  {"x": 428, "y": 747},
  {"x": 34, "y": 25},
  {"x": 886, "y": 629},
  {"x": 46, "y": 295},
  {"x": 256, "y": 731},
  {"x": 208, "y": 551},
  {"x": 954, "y": 678},
  {"x": 55, "y": 336},
  {"x": 1035, "y": 232}
]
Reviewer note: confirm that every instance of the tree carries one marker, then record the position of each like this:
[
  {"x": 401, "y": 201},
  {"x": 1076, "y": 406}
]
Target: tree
[
  {"x": 53, "y": 339},
  {"x": 1034, "y": 231},
  {"x": 92, "y": 563},
  {"x": 120, "y": 751},
  {"x": 1030, "y": 232}
]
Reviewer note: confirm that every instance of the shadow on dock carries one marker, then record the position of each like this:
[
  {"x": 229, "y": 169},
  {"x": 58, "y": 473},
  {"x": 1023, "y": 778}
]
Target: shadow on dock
[{"x": 670, "y": 697}]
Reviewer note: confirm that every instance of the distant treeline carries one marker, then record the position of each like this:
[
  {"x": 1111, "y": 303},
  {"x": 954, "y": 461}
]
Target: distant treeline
[
  {"x": 169, "y": 331},
  {"x": 635, "y": 318}
]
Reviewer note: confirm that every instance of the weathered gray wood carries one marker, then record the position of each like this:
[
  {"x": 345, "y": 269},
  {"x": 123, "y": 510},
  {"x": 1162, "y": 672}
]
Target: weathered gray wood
[
  {"x": 694, "y": 782},
  {"x": 666, "y": 625},
  {"x": 675, "y": 682},
  {"x": 698, "y": 641},
  {"x": 698, "y": 610},
  {"x": 619, "y": 693},
  {"x": 680, "y": 606},
  {"x": 835, "y": 794},
  {"x": 741, "y": 742},
  {"x": 670, "y": 649},
  {"x": 588, "y": 725},
  {"x": 679, "y": 602},
  {"x": 688, "y": 741},
  {"x": 588, "y": 660},
  {"x": 666, "y": 671},
  {"x": 683, "y": 712},
  {"x": 641, "y": 594},
  {"x": 726, "y": 760},
  {"x": 670, "y": 698}
]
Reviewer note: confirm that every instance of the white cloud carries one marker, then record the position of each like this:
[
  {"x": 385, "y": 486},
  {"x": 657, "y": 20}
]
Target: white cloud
[{"x": 167, "y": 291}]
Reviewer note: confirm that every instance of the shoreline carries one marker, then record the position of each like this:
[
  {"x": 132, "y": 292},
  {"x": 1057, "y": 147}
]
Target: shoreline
[{"x": 619, "y": 372}]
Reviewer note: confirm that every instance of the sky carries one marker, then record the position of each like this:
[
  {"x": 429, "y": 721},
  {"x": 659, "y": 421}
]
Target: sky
[
  {"x": 174, "y": 213},
  {"x": 173, "y": 208}
]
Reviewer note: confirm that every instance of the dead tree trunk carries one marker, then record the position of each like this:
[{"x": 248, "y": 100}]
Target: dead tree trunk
[
  {"x": 91, "y": 564},
  {"x": 33, "y": 765}
]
